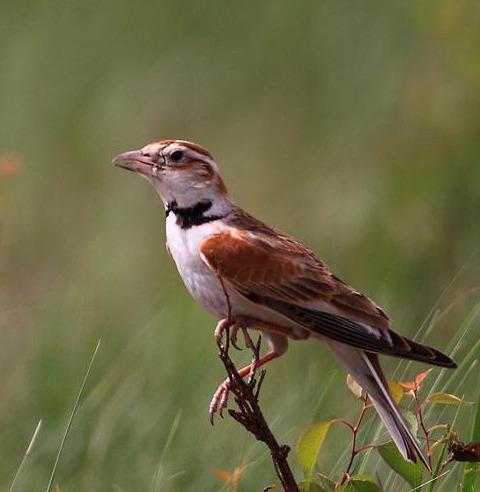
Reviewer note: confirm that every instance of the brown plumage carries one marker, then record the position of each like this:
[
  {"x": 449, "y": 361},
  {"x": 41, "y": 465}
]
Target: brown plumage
[
  {"x": 276, "y": 270},
  {"x": 274, "y": 283}
]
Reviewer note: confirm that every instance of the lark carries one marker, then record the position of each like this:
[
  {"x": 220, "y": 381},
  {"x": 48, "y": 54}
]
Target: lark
[{"x": 251, "y": 276}]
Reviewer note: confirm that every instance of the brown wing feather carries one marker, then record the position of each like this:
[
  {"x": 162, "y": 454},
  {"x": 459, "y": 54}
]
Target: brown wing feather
[
  {"x": 260, "y": 260},
  {"x": 277, "y": 271}
]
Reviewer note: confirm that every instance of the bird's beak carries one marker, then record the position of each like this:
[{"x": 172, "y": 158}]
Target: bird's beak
[{"x": 137, "y": 162}]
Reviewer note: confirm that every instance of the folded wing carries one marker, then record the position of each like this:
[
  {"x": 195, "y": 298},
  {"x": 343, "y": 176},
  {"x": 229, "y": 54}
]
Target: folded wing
[{"x": 282, "y": 275}]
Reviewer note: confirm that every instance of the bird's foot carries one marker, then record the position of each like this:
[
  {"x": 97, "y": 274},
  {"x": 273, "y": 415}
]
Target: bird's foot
[
  {"x": 220, "y": 400},
  {"x": 224, "y": 325}
]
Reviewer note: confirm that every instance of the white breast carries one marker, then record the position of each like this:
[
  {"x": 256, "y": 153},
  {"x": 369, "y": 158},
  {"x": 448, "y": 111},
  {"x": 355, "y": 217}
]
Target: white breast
[{"x": 202, "y": 283}]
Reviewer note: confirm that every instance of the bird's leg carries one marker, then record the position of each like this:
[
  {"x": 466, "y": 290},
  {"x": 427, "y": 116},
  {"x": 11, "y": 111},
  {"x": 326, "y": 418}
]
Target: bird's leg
[
  {"x": 278, "y": 348},
  {"x": 261, "y": 325},
  {"x": 220, "y": 397}
]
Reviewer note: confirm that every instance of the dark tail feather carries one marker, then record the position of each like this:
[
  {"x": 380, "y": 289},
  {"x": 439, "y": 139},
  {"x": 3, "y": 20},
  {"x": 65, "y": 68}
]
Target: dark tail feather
[
  {"x": 354, "y": 333},
  {"x": 408, "y": 349}
]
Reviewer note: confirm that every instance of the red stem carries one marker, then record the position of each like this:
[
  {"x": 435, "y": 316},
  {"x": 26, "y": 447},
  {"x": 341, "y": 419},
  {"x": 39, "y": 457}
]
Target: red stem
[
  {"x": 354, "y": 452},
  {"x": 422, "y": 425}
]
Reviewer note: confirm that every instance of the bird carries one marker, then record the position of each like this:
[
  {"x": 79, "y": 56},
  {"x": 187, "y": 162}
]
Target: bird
[{"x": 251, "y": 276}]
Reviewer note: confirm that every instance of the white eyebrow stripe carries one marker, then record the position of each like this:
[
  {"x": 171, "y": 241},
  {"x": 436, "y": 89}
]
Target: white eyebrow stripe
[
  {"x": 190, "y": 152},
  {"x": 196, "y": 155}
]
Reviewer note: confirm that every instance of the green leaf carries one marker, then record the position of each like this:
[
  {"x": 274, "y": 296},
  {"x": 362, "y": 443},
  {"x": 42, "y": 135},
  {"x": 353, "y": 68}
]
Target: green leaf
[
  {"x": 470, "y": 469},
  {"x": 308, "y": 447},
  {"x": 360, "y": 484},
  {"x": 446, "y": 399},
  {"x": 397, "y": 391},
  {"x": 411, "y": 472},
  {"x": 325, "y": 482},
  {"x": 310, "y": 487}
]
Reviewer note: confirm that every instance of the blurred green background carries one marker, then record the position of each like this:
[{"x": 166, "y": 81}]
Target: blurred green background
[{"x": 352, "y": 125}]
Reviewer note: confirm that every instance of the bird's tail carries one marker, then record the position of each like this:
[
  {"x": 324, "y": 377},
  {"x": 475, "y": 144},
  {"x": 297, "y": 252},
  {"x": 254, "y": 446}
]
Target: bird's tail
[
  {"x": 366, "y": 370},
  {"x": 408, "y": 349}
]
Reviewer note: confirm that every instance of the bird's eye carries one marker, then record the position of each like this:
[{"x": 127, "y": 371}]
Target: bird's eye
[{"x": 176, "y": 155}]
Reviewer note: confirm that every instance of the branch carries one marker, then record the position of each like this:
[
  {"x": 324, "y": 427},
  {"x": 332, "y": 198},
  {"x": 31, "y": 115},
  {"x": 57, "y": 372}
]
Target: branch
[
  {"x": 250, "y": 416},
  {"x": 246, "y": 394}
]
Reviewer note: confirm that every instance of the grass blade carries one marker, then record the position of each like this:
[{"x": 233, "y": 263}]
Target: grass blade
[
  {"x": 438, "y": 467},
  {"x": 160, "y": 469},
  {"x": 25, "y": 456},
  {"x": 72, "y": 415},
  {"x": 470, "y": 469}
]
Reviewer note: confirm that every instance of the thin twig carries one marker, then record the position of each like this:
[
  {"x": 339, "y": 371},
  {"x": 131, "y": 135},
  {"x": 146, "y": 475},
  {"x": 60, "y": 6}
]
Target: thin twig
[
  {"x": 424, "y": 428},
  {"x": 249, "y": 414},
  {"x": 355, "y": 429}
]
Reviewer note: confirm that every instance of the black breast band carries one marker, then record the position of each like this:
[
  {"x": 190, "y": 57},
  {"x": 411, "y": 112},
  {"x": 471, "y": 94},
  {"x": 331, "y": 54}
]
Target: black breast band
[{"x": 191, "y": 216}]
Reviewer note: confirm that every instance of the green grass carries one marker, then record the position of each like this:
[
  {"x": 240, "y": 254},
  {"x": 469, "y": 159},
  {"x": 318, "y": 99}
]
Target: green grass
[
  {"x": 471, "y": 469},
  {"x": 25, "y": 456},
  {"x": 71, "y": 417},
  {"x": 353, "y": 126}
]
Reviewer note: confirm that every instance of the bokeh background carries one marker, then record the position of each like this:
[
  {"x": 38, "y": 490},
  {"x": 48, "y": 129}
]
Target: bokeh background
[{"x": 353, "y": 125}]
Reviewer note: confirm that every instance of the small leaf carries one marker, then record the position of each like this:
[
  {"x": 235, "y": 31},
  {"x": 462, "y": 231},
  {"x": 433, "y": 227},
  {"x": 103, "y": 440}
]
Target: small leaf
[
  {"x": 422, "y": 376},
  {"x": 308, "y": 447},
  {"x": 415, "y": 384},
  {"x": 411, "y": 472},
  {"x": 311, "y": 487},
  {"x": 354, "y": 387},
  {"x": 446, "y": 399},
  {"x": 360, "y": 484},
  {"x": 408, "y": 385},
  {"x": 233, "y": 477},
  {"x": 397, "y": 391}
]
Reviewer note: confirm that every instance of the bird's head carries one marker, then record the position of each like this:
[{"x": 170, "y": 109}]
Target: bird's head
[{"x": 180, "y": 171}]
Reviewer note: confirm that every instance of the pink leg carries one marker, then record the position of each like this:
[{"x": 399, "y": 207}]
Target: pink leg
[
  {"x": 244, "y": 322},
  {"x": 220, "y": 397}
]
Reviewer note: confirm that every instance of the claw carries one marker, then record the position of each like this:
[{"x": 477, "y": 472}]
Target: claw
[
  {"x": 220, "y": 400},
  {"x": 233, "y": 336},
  {"x": 248, "y": 340},
  {"x": 222, "y": 325}
]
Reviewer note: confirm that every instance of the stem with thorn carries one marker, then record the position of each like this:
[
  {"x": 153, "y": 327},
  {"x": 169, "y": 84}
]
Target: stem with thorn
[{"x": 249, "y": 414}]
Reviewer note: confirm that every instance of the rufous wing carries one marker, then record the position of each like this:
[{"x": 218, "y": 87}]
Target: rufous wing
[{"x": 282, "y": 269}]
